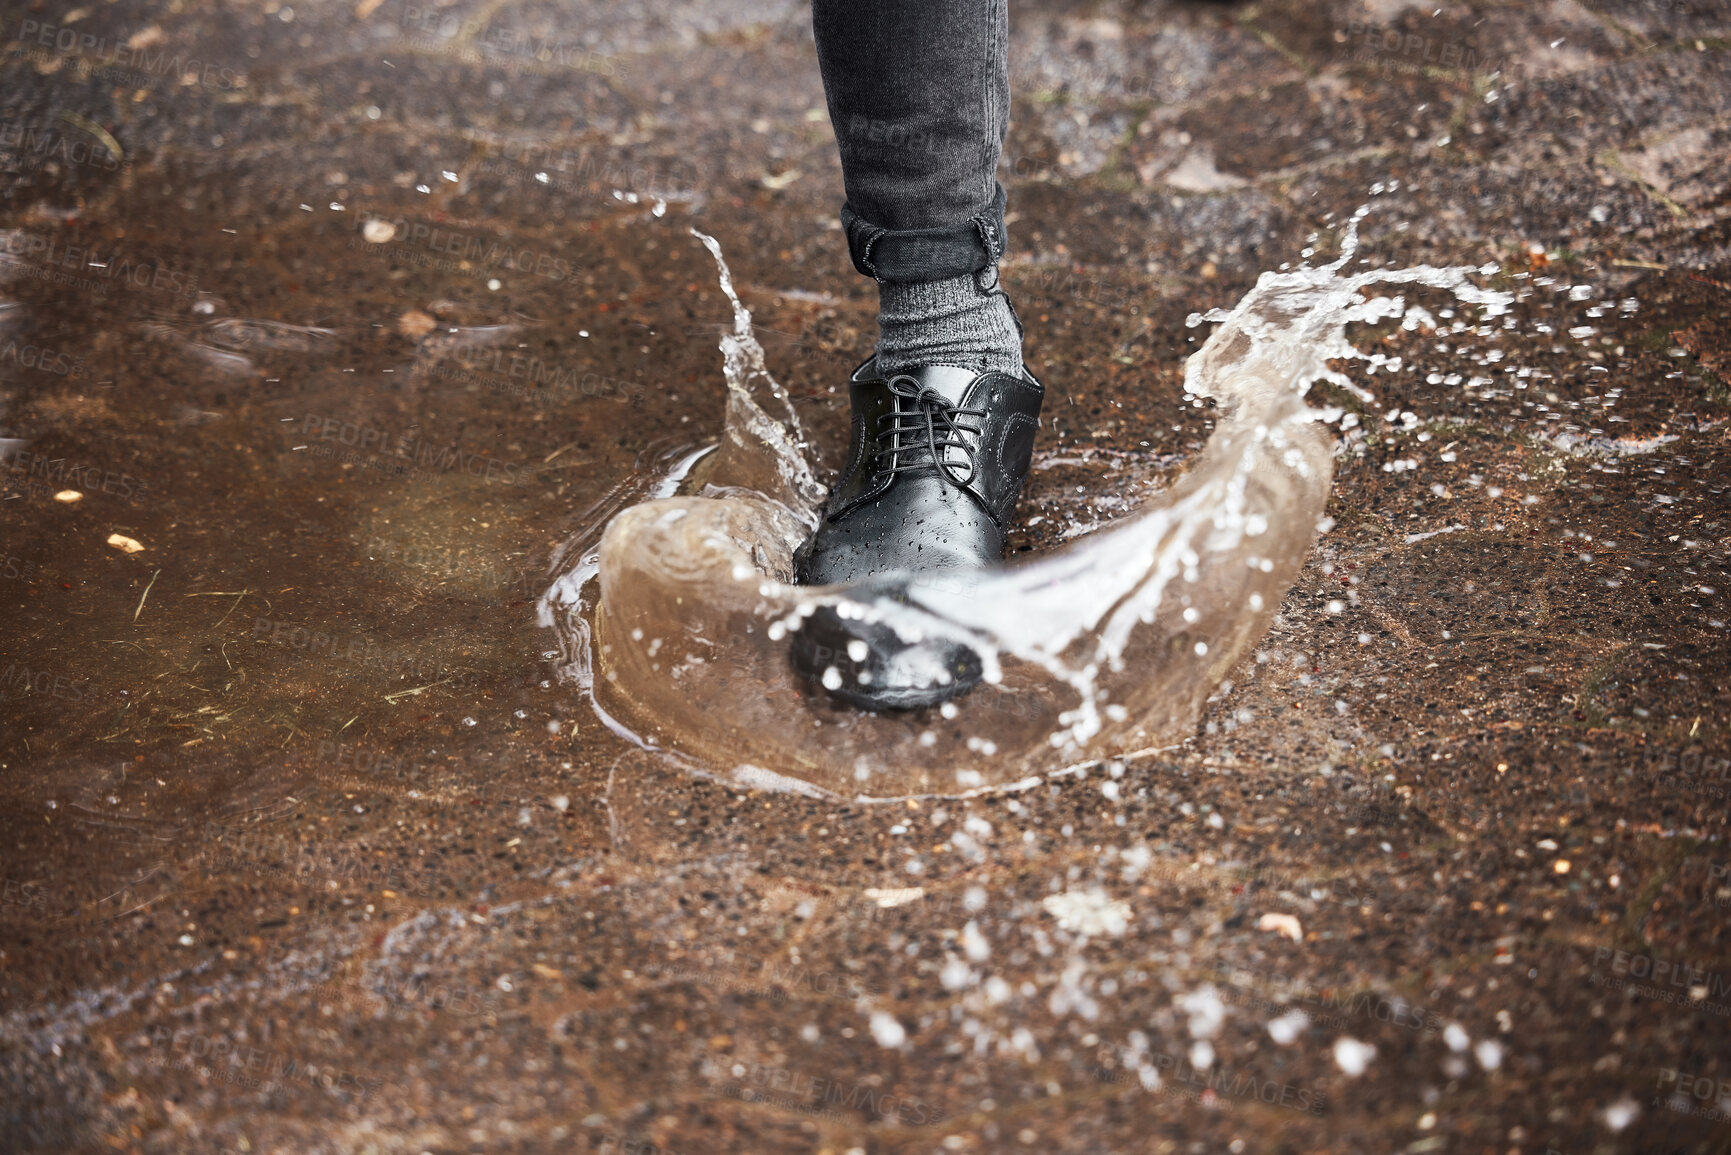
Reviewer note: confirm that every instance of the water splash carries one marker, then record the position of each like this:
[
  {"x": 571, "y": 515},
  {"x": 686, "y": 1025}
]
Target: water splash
[{"x": 1107, "y": 646}]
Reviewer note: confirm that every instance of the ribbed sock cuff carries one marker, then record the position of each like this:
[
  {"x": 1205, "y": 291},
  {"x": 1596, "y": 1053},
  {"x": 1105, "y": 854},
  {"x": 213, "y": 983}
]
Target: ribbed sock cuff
[{"x": 948, "y": 322}]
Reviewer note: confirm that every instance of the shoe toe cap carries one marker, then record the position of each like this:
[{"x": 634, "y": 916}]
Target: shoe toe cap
[{"x": 868, "y": 665}]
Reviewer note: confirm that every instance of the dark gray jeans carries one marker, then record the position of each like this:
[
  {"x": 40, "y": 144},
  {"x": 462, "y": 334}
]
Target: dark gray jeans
[{"x": 919, "y": 94}]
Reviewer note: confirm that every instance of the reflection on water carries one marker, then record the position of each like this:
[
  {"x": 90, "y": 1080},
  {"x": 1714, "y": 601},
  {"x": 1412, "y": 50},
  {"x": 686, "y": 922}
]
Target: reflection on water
[{"x": 1107, "y": 646}]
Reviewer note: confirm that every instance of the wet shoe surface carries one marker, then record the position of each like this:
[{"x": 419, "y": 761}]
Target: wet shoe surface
[{"x": 936, "y": 459}]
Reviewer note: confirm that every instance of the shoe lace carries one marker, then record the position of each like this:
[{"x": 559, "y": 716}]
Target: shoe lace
[{"x": 923, "y": 429}]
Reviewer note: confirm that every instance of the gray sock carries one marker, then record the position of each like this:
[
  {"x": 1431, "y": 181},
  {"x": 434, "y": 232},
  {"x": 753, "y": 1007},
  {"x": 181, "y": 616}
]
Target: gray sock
[{"x": 951, "y": 322}]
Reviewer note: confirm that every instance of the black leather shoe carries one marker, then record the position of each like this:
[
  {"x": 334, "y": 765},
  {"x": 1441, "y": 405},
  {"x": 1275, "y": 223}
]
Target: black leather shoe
[{"x": 936, "y": 461}]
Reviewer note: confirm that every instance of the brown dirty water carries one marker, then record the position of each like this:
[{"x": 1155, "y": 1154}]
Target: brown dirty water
[{"x": 325, "y": 341}]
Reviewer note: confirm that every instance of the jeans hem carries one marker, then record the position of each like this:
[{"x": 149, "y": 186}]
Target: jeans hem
[{"x": 911, "y": 255}]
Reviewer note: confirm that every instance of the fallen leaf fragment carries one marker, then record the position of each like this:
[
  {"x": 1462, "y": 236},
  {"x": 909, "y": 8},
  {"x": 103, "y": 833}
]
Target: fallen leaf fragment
[
  {"x": 415, "y": 324},
  {"x": 1282, "y": 923}
]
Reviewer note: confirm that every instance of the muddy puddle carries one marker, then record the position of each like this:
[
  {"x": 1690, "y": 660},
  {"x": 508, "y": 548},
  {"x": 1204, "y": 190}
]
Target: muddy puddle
[
  {"x": 1105, "y": 647},
  {"x": 1352, "y": 771}
]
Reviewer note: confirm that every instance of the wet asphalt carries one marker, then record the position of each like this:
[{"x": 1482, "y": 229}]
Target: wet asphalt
[{"x": 322, "y": 329}]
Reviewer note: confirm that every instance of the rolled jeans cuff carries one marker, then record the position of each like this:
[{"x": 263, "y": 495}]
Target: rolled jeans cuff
[{"x": 908, "y": 255}]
